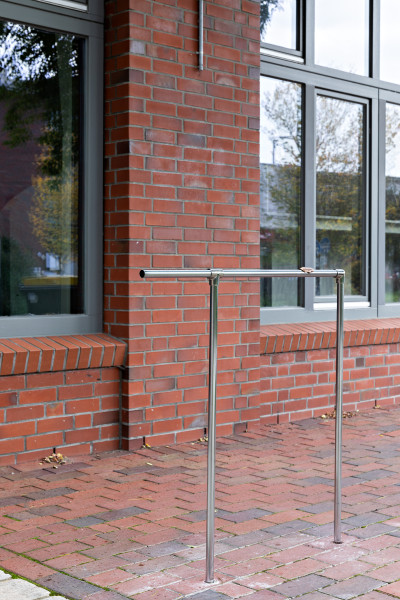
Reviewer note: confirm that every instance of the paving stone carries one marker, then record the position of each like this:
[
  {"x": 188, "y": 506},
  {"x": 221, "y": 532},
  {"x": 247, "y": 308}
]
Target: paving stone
[
  {"x": 114, "y": 515},
  {"x": 374, "y": 530},
  {"x": 13, "y": 500},
  {"x": 388, "y": 573},
  {"x": 266, "y": 595},
  {"x": 46, "y": 510},
  {"x": 365, "y": 519},
  {"x": 50, "y": 493},
  {"x": 209, "y": 595},
  {"x": 276, "y": 519},
  {"x": 326, "y": 530},
  {"x": 19, "y": 589},
  {"x": 290, "y": 527},
  {"x": 242, "y": 516},
  {"x": 106, "y": 595},
  {"x": 393, "y": 589},
  {"x": 350, "y": 588},
  {"x": 302, "y": 585},
  {"x": 85, "y": 521},
  {"x": 162, "y": 549},
  {"x": 309, "y": 481},
  {"x": 320, "y": 507},
  {"x": 376, "y": 474},
  {"x": 198, "y": 516},
  {"x": 247, "y": 539},
  {"x": 64, "y": 584}
]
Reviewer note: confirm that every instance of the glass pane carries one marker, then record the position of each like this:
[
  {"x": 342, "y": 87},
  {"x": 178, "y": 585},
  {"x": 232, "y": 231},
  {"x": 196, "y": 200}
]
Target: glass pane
[
  {"x": 280, "y": 188},
  {"x": 392, "y": 218},
  {"x": 40, "y": 84},
  {"x": 390, "y": 41},
  {"x": 278, "y": 24},
  {"x": 340, "y": 193},
  {"x": 341, "y": 35}
]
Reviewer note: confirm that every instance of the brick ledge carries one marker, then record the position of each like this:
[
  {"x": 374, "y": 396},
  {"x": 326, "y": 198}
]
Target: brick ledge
[
  {"x": 59, "y": 353},
  {"x": 316, "y": 336}
]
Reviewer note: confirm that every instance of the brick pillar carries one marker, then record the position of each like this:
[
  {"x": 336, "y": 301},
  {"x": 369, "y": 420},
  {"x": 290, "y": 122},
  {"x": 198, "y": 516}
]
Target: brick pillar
[{"x": 182, "y": 190}]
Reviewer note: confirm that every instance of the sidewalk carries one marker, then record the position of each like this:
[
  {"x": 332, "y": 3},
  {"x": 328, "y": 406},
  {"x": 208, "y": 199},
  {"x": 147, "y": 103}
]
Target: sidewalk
[{"x": 121, "y": 525}]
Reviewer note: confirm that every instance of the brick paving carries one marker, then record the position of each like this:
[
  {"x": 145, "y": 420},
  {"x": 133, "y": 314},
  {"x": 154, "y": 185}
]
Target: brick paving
[{"x": 119, "y": 525}]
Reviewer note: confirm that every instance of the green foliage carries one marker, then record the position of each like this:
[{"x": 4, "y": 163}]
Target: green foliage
[
  {"x": 266, "y": 9},
  {"x": 340, "y": 208},
  {"x": 54, "y": 214},
  {"x": 37, "y": 69}
]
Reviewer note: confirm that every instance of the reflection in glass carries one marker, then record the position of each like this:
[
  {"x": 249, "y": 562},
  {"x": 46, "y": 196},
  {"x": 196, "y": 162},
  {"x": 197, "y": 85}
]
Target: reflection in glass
[
  {"x": 341, "y": 35},
  {"x": 340, "y": 191},
  {"x": 39, "y": 163},
  {"x": 278, "y": 25},
  {"x": 280, "y": 188},
  {"x": 390, "y": 40},
  {"x": 392, "y": 215}
]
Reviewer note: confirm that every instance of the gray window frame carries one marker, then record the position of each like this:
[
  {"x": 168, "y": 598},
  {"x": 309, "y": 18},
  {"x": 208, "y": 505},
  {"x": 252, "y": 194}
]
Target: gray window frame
[
  {"x": 89, "y": 25},
  {"x": 373, "y": 92}
]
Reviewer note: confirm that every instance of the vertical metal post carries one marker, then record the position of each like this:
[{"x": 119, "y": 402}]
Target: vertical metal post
[
  {"x": 339, "y": 410},
  {"x": 212, "y": 406},
  {"x": 201, "y": 34}
]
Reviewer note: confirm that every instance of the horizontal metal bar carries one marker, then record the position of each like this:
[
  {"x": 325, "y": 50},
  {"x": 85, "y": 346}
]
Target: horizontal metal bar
[{"x": 211, "y": 273}]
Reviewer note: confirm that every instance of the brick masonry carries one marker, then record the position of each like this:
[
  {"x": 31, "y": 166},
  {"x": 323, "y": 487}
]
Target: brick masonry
[
  {"x": 298, "y": 368},
  {"x": 182, "y": 190},
  {"x": 61, "y": 392}
]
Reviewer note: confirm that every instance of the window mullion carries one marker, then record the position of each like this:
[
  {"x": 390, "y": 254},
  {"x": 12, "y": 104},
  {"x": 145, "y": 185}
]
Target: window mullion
[
  {"x": 376, "y": 246},
  {"x": 308, "y": 32},
  {"x": 374, "y": 29},
  {"x": 309, "y": 223}
]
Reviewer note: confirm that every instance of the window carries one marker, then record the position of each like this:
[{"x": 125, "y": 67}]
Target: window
[
  {"x": 330, "y": 156},
  {"x": 281, "y": 194},
  {"x": 389, "y": 40},
  {"x": 281, "y": 27},
  {"x": 392, "y": 204},
  {"x": 340, "y": 197},
  {"x": 341, "y": 35},
  {"x": 49, "y": 222}
]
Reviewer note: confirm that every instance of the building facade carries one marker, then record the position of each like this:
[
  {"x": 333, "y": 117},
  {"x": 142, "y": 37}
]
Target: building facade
[{"x": 124, "y": 147}]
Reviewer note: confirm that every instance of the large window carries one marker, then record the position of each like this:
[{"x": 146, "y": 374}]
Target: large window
[
  {"x": 330, "y": 156},
  {"x": 49, "y": 224}
]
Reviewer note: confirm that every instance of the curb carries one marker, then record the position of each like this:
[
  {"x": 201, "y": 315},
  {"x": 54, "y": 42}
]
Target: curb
[{"x": 20, "y": 589}]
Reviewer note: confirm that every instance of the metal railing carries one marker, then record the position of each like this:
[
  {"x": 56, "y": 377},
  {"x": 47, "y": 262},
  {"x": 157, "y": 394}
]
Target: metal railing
[{"x": 214, "y": 276}]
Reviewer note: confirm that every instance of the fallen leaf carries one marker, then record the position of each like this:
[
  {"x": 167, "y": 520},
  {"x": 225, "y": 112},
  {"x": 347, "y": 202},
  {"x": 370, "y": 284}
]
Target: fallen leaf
[{"x": 306, "y": 269}]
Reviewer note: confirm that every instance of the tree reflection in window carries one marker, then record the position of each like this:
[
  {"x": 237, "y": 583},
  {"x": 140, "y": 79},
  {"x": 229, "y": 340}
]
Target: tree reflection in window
[
  {"x": 340, "y": 193},
  {"x": 40, "y": 85},
  {"x": 278, "y": 23},
  {"x": 392, "y": 212},
  {"x": 281, "y": 133}
]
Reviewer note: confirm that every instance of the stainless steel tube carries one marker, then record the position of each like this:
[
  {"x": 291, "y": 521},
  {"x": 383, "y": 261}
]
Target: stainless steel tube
[
  {"x": 238, "y": 273},
  {"x": 214, "y": 276},
  {"x": 212, "y": 410},
  {"x": 339, "y": 411},
  {"x": 201, "y": 34}
]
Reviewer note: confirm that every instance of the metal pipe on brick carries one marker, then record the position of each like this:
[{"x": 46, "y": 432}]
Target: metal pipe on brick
[
  {"x": 214, "y": 276},
  {"x": 268, "y": 273}
]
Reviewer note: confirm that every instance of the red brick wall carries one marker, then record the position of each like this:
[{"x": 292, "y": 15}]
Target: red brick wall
[
  {"x": 301, "y": 383},
  {"x": 59, "y": 392},
  {"x": 182, "y": 190},
  {"x": 75, "y": 411}
]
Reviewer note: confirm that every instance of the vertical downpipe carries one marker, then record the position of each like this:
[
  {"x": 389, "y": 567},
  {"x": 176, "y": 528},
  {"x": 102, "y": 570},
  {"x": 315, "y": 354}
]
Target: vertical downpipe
[
  {"x": 339, "y": 410},
  {"x": 201, "y": 34},
  {"x": 212, "y": 406}
]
